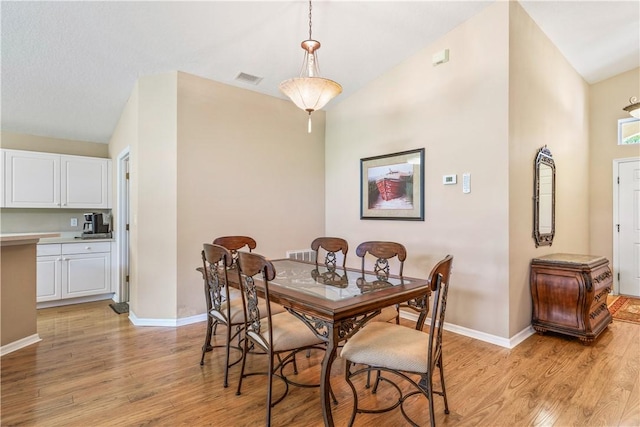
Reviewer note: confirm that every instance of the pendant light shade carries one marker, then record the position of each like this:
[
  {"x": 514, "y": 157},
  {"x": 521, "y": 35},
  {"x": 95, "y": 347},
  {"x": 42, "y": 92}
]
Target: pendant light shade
[
  {"x": 309, "y": 91},
  {"x": 633, "y": 108}
]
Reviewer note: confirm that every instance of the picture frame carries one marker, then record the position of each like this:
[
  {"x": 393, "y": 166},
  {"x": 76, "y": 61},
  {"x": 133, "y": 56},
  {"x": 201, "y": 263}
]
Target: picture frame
[{"x": 392, "y": 186}]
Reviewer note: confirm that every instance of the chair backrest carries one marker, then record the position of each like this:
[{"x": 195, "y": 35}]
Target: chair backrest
[
  {"x": 330, "y": 245},
  {"x": 215, "y": 260},
  {"x": 439, "y": 292},
  {"x": 383, "y": 252},
  {"x": 443, "y": 268},
  {"x": 250, "y": 267},
  {"x": 234, "y": 244}
]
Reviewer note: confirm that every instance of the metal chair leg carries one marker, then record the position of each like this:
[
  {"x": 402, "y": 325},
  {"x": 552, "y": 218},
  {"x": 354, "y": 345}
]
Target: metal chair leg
[{"x": 207, "y": 340}]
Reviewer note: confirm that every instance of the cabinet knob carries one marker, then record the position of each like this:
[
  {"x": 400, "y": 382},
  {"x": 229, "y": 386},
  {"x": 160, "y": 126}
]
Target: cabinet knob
[{"x": 88, "y": 248}]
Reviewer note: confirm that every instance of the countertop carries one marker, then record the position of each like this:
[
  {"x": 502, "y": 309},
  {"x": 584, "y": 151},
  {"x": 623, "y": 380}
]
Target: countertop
[
  {"x": 25, "y": 238},
  {"x": 51, "y": 237}
]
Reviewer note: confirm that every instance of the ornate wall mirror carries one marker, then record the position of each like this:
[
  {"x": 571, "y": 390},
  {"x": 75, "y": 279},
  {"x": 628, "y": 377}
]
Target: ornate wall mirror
[{"x": 544, "y": 198}]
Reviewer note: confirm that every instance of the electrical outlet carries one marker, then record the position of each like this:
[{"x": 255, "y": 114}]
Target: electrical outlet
[{"x": 74, "y": 222}]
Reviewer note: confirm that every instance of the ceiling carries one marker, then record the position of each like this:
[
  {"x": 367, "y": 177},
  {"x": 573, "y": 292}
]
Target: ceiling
[{"x": 68, "y": 68}]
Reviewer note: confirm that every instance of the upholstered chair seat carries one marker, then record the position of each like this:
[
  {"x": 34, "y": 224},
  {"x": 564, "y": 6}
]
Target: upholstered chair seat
[{"x": 389, "y": 346}]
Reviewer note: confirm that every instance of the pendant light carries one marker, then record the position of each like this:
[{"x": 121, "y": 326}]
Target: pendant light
[
  {"x": 310, "y": 92},
  {"x": 633, "y": 108}
]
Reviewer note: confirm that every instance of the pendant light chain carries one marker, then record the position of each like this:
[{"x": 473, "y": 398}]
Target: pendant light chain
[
  {"x": 309, "y": 91},
  {"x": 310, "y": 20}
]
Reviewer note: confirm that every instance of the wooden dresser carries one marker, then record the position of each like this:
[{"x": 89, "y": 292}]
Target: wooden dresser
[{"x": 569, "y": 294}]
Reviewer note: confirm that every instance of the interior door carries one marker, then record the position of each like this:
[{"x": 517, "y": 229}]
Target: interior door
[{"x": 628, "y": 227}]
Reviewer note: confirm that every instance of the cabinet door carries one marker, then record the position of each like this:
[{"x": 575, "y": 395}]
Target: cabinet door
[
  {"x": 48, "y": 282},
  {"x": 85, "y": 182},
  {"x": 32, "y": 180},
  {"x": 86, "y": 274}
]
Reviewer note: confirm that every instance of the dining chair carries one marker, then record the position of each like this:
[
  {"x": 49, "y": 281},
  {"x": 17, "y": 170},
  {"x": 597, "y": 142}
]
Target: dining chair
[
  {"x": 280, "y": 336},
  {"x": 330, "y": 247},
  {"x": 382, "y": 253},
  {"x": 403, "y": 353},
  {"x": 235, "y": 243},
  {"x": 222, "y": 307}
]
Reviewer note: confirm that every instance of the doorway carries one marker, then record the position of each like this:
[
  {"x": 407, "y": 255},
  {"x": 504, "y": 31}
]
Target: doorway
[
  {"x": 124, "y": 214},
  {"x": 626, "y": 232}
]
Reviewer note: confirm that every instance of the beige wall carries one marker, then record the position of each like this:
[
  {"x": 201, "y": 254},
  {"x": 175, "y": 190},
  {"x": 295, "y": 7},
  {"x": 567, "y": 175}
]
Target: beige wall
[
  {"x": 606, "y": 100},
  {"x": 247, "y": 166},
  {"x": 19, "y": 141},
  {"x": 154, "y": 214},
  {"x": 125, "y": 137},
  {"x": 547, "y": 106},
  {"x": 458, "y": 112},
  {"x": 203, "y": 160},
  {"x": 505, "y": 92}
]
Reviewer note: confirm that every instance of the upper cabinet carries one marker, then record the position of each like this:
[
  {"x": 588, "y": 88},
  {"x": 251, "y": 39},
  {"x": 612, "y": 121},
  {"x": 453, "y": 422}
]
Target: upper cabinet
[
  {"x": 44, "y": 180},
  {"x": 85, "y": 182}
]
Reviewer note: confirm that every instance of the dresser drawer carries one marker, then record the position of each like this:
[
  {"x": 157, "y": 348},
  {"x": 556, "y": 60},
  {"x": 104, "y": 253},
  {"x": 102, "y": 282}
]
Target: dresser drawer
[
  {"x": 85, "y": 248},
  {"x": 49, "y": 249}
]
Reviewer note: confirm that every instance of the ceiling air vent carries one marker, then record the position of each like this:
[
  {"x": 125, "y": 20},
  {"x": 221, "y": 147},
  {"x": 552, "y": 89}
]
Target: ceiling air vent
[{"x": 248, "y": 78}]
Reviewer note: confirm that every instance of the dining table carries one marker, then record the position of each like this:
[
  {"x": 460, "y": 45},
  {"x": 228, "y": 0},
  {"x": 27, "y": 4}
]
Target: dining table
[{"x": 335, "y": 303}]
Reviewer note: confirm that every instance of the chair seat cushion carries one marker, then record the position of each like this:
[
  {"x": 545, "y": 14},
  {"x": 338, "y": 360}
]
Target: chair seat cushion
[
  {"x": 237, "y": 310},
  {"x": 390, "y": 346},
  {"x": 387, "y": 314},
  {"x": 289, "y": 333}
]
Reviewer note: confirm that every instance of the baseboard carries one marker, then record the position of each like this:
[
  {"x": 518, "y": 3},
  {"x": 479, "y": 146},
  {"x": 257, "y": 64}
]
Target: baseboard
[
  {"x": 21, "y": 343},
  {"x": 481, "y": 336},
  {"x": 460, "y": 330},
  {"x": 172, "y": 323}
]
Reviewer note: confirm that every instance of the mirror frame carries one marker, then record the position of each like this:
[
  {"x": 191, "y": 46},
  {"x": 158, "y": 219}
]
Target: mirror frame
[{"x": 544, "y": 157}]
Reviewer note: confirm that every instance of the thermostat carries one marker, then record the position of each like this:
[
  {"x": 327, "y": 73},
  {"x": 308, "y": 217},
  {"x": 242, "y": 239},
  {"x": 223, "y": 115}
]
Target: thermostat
[{"x": 448, "y": 179}]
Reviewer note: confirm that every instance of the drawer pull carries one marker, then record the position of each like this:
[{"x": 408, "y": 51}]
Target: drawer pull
[{"x": 88, "y": 248}]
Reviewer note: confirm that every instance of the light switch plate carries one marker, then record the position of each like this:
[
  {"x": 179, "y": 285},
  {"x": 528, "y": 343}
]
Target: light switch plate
[{"x": 466, "y": 182}]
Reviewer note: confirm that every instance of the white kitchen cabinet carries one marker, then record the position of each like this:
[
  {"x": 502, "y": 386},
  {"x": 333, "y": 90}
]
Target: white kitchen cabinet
[
  {"x": 71, "y": 270},
  {"x": 32, "y": 180},
  {"x": 45, "y": 180},
  {"x": 48, "y": 282},
  {"x": 85, "y": 182}
]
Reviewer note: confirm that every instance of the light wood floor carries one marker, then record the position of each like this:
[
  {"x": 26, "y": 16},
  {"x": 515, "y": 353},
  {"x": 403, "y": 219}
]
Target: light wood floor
[{"x": 93, "y": 368}]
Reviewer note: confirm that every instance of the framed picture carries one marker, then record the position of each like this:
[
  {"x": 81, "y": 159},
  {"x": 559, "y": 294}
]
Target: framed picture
[{"x": 392, "y": 186}]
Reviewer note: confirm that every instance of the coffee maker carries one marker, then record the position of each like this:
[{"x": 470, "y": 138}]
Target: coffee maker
[
  {"x": 95, "y": 226},
  {"x": 87, "y": 227}
]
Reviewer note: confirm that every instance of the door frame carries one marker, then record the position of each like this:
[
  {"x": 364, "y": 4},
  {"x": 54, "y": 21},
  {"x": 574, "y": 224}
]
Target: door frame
[
  {"x": 124, "y": 199},
  {"x": 616, "y": 218}
]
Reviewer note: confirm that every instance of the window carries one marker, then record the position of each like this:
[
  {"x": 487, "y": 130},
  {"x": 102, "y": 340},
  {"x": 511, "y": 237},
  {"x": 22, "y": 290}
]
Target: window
[{"x": 628, "y": 131}]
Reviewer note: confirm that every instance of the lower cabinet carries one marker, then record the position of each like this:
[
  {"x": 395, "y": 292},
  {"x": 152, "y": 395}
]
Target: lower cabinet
[{"x": 70, "y": 270}]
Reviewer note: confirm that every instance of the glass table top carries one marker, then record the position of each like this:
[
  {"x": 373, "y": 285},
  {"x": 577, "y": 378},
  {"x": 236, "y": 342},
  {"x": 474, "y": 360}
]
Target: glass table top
[{"x": 334, "y": 285}]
